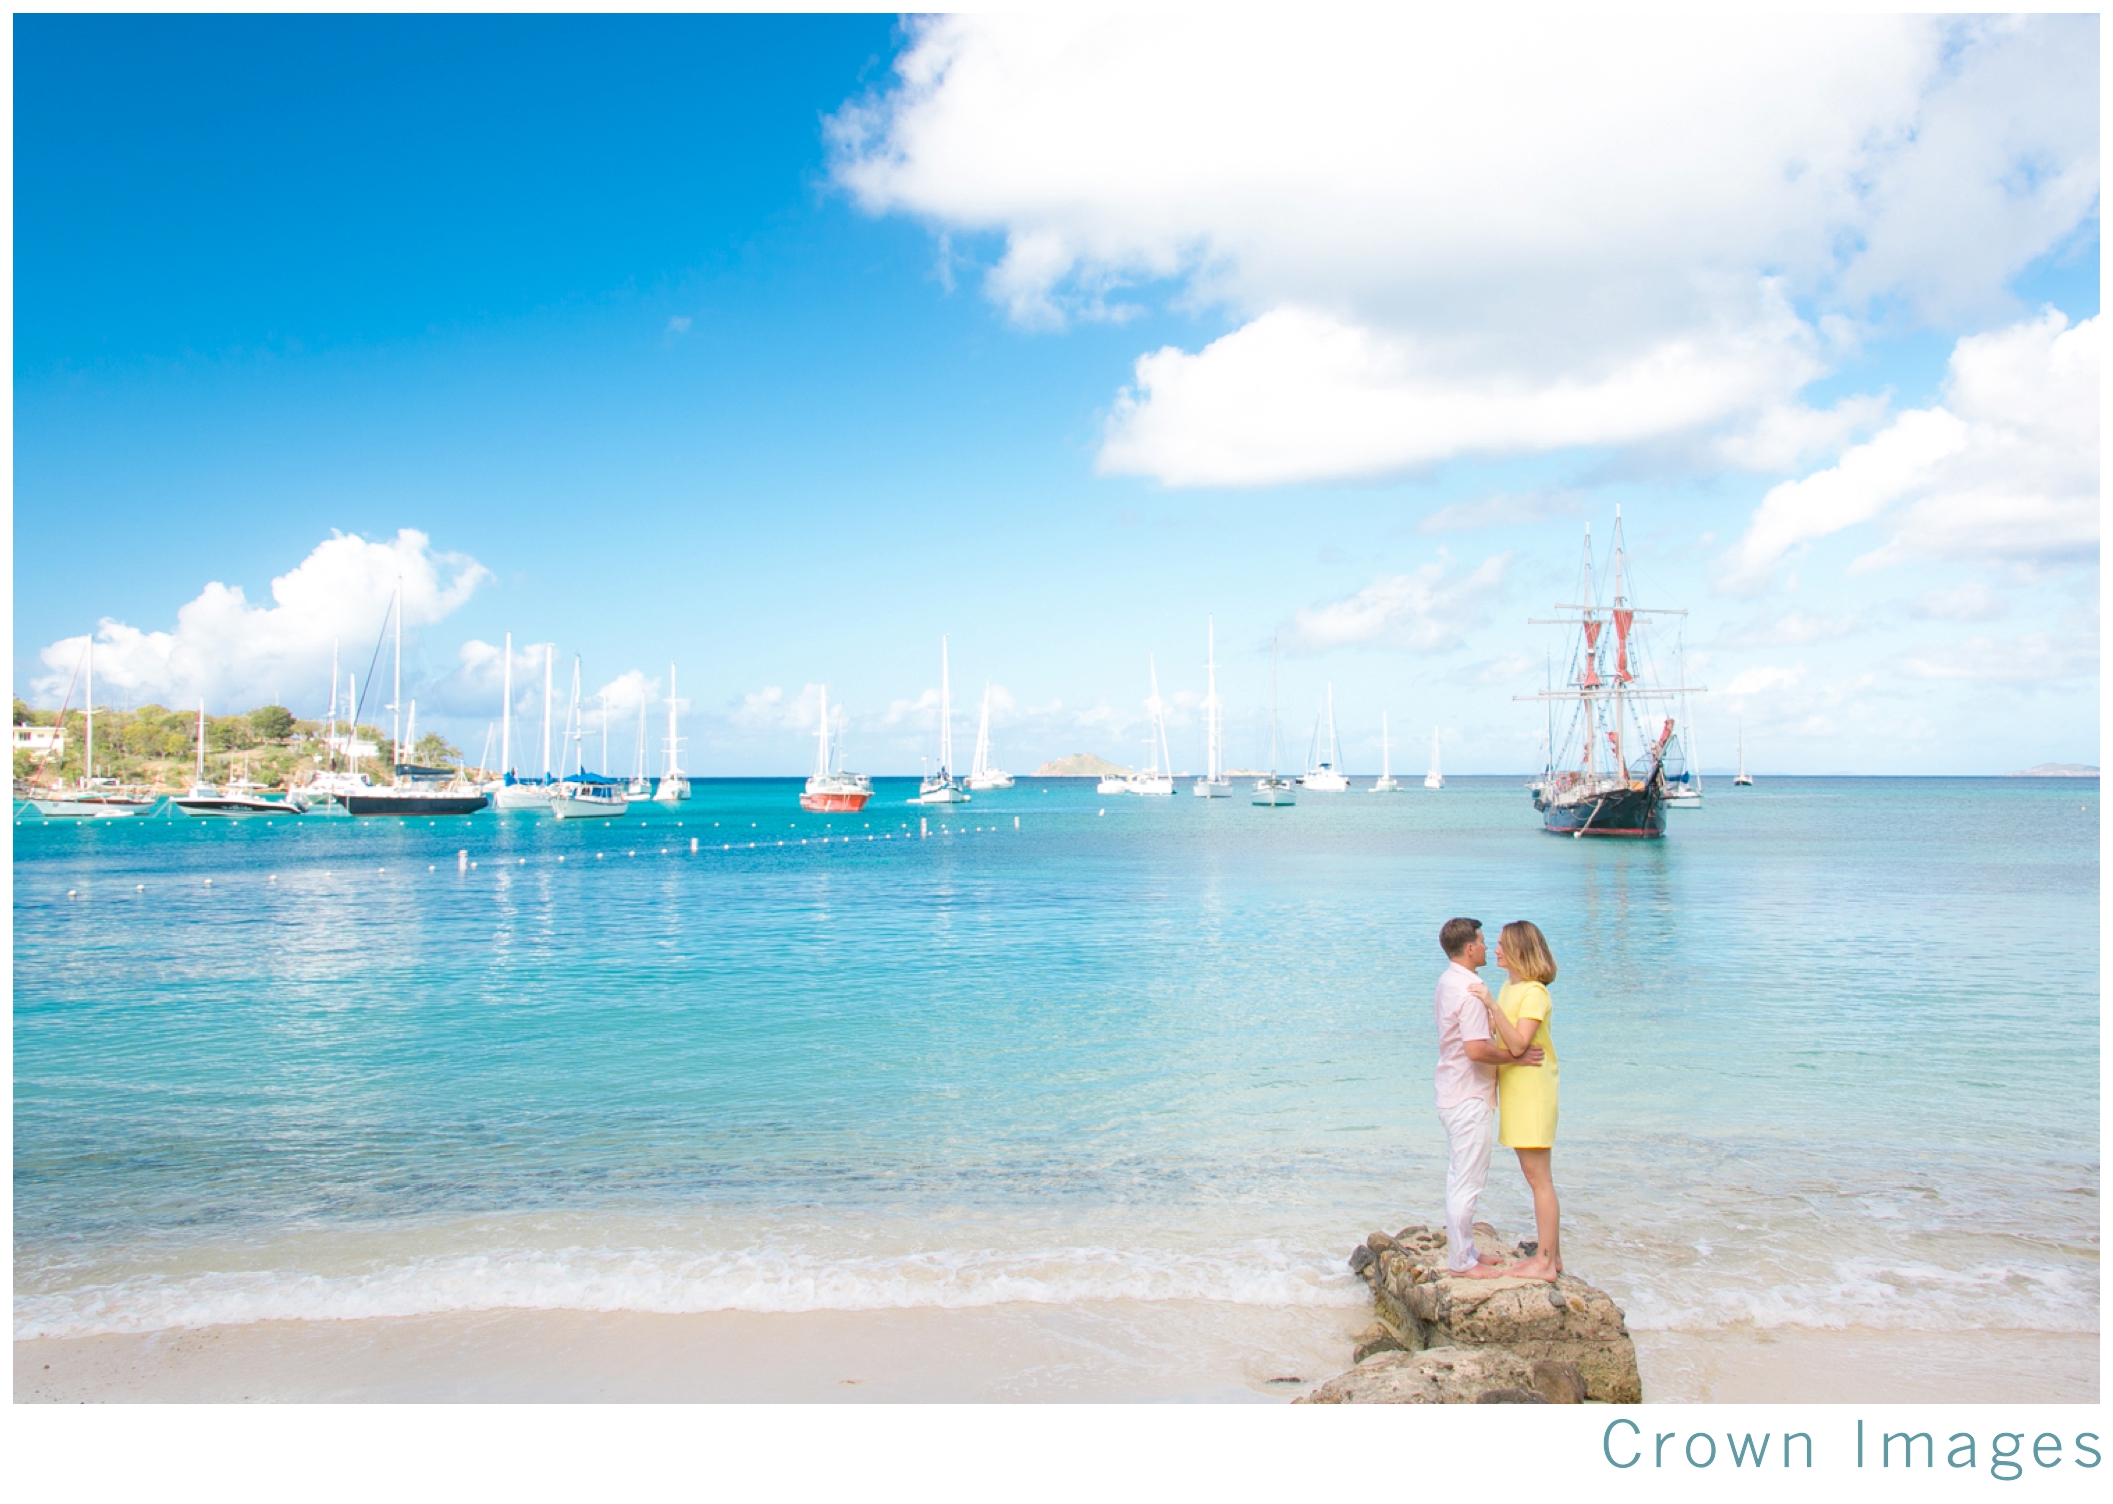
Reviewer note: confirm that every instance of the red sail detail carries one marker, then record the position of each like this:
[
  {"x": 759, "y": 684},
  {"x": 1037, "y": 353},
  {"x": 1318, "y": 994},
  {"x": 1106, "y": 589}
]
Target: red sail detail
[
  {"x": 1615, "y": 742},
  {"x": 1592, "y": 633},
  {"x": 1621, "y": 645},
  {"x": 1591, "y": 679}
]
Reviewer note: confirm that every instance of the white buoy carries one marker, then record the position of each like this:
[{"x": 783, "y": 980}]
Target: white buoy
[
  {"x": 1104, "y": 812},
  {"x": 1015, "y": 822},
  {"x": 139, "y": 887},
  {"x": 561, "y": 858},
  {"x": 462, "y": 861},
  {"x": 924, "y": 828},
  {"x": 72, "y": 893},
  {"x": 693, "y": 844},
  {"x": 209, "y": 882},
  {"x": 273, "y": 878}
]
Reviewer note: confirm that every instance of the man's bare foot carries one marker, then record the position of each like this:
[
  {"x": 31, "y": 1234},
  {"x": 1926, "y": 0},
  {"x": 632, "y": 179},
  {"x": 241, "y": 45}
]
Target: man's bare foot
[
  {"x": 1487, "y": 1258},
  {"x": 1536, "y": 1267},
  {"x": 1480, "y": 1271}
]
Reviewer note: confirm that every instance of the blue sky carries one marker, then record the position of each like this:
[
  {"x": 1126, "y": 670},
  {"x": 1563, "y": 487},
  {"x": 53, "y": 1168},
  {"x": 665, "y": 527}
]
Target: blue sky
[{"x": 779, "y": 347}]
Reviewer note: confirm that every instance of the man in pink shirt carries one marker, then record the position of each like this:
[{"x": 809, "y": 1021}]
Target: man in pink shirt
[{"x": 1467, "y": 1092}]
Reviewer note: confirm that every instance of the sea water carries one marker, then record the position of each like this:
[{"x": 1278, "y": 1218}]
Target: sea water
[{"x": 1830, "y": 1054}]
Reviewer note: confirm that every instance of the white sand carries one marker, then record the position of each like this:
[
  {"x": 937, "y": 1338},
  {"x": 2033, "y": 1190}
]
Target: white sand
[{"x": 1115, "y": 1350}]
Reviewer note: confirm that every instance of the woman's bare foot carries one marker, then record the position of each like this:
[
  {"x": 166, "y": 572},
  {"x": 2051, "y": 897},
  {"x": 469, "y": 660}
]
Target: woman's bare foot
[{"x": 1536, "y": 1267}]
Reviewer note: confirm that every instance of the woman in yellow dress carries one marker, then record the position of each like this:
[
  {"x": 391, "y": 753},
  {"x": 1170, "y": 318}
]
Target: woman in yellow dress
[{"x": 1526, "y": 1094}]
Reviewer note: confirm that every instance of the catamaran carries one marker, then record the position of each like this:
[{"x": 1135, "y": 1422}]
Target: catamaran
[
  {"x": 1272, "y": 791},
  {"x": 1612, "y": 780},
  {"x": 1324, "y": 774},
  {"x": 1213, "y": 784},
  {"x": 674, "y": 785},
  {"x": 943, "y": 787},
  {"x": 1152, "y": 780},
  {"x": 1434, "y": 779},
  {"x": 91, "y": 801},
  {"x": 981, "y": 775},
  {"x": 1386, "y": 783},
  {"x": 832, "y": 790}
]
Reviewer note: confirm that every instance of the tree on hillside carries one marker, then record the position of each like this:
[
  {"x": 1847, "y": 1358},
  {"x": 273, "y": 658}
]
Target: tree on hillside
[
  {"x": 433, "y": 751},
  {"x": 274, "y": 723}
]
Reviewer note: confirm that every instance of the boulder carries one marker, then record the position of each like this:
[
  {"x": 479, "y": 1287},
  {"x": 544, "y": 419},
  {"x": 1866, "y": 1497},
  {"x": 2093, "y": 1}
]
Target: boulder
[
  {"x": 1568, "y": 1322},
  {"x": 1443, "y": 1376}
]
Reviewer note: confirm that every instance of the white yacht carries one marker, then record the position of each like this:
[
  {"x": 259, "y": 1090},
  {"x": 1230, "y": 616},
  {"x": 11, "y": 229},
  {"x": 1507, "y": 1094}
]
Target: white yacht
[
  {"x": 1213, "y": 784},
  {"x": 513, "y": 792},
  {"x": 1272, "y": 791},
  {"x": 943, "y": 787},
  {"x": 674, "y": 785},
  {"x": 1324, "y": 775},
  {"x": 584, "y": 796},
  {"x": 1386, "y": 783},
  {"x": 1744, "y": 780},
  {"x": 204, "y": 799},
  {"x": 1434, "y": 779},
  {"x": 1152, "y": 780},
  {"x": 95, "y": 799},
  {"x": 981, "y": 775}
]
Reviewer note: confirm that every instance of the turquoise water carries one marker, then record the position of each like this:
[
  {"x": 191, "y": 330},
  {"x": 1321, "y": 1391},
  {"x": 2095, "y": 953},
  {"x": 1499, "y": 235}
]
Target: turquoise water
[{"x": 1830, "y": 1054}]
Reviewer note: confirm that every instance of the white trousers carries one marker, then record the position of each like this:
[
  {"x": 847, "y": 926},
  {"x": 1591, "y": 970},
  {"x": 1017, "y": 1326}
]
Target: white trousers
[{"x": 1470, "y": 1134}]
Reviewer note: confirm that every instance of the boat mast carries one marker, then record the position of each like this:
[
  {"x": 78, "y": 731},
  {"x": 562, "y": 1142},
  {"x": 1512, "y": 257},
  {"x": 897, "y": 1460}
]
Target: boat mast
[
  {"x": 352, "y": 740},
  {"x": 575, "y": 726},
  {"x": 641, "y": 736},
  {"x": 1214, "y": 757},
  {"x": 1159, "y": 720},
  {"x": 1272, "y": 707},
  {"x": 1590, "y": 676},
  {"x": 671, "y": 768},
  {"x": 821, "y": 738},
  {"x": 981, "y": 763},
  {"x": 506, "y": 714},
  {"x": 88, "y": 751},
  {"x": 396, "y": 714},
  {"x": 1621, "y": 706},
  {"x": 201, "y": 741},
  {"x": 1386, "y": 761},
  {"x": 549, "y": 652},
  {"x": 946, "y": 715},
  {"x": 330, "y": 746}
]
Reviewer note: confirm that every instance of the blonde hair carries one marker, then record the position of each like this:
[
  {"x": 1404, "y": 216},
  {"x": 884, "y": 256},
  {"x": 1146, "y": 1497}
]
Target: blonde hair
[{"x": 1526, "y": 948}]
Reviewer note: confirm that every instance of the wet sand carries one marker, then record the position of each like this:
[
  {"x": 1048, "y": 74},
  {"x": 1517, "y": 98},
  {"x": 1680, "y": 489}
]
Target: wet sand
[{"x": 1167, "y": 1352}]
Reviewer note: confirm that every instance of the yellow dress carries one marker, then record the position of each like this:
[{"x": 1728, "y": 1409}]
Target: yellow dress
[{"x": 1526, "y": 1093}]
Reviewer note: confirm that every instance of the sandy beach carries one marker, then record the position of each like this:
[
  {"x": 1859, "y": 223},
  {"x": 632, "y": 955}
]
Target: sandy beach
[{"x": 1115, "y": 1351}]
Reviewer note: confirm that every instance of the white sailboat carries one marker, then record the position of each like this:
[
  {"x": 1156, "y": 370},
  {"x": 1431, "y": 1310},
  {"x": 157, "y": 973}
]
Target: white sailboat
[
  {"x": 831, "y": 790},
  {"x": 1213, "y": 784},
  {"x": 1324, "y": 775},
  {"x": 578, "y": 798},
  {"x": 674, "y": 783},
  {"x": 1273, "y": 792},
  {"x": 1744, "y": 779},
  {"x": 981, "y": 775},
  {"x": 640, "y": 787},
  {"x": 943, "y": 787},
  {"x": 1685, "y": 791},
  {"x": 90, "y": 801},
  {"x": 1386, "y": 783},
  {"x": 1434, "y": 779},
  {"x": 511, "y": 792},
  {"x": 1152, "y": 780}
]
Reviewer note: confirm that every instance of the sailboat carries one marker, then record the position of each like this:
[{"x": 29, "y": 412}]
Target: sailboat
[
  {"x": 204, "y": 799},
  {"x": 515, "y": 792},
  {"x": 943, "y": 787},
  {"x": 1272, "y": 791},
  {"x": 1612, "y": 780},
  {"x": 640, "y": 787},
  {"x": 674, "y": 785},
  {"x": 981, "y": 775},
  {"x": 585, "y": 796},
  {"x": 831, "y": 790},
  {"x": 1213, "y": 784},
  {"x": 1324, "y": 774},
  {"x": 1683, "y": 790},
  {"x": 412, "y": 790},
  {"x": 1386, "y": 783},
  {"x": 1744, "y": 780},
  {"x": 1434, "y": 779},
  {"x": 89, "y": 801},
  {"x": 1152, "y": 780}
]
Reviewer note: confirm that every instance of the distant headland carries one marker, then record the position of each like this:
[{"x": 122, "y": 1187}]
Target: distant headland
[
  {"x": 1081, "y": 765},
  {"x": 2057, "y": 770}
]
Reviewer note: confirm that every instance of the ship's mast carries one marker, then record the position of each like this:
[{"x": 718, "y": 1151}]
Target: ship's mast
[
  {"x": 1212, "y": 755},
  {"x": 88, "y": 751},
  {"x": 506, "y": 713},
  {"x": 330, "y": 746},
  {"x": 550, "y": 650},
  {"x": 396, "y": 700},
  {"x": 1591, "y": 670},
  {"x": 821, "y": 738},
  {"x": 1621, "y": 760}
]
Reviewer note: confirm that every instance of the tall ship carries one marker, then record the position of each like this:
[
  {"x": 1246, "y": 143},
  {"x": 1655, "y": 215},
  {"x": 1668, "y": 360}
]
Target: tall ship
[
  {"x": 1606, "y": 772},
  {"x": 832, "y": 791}
]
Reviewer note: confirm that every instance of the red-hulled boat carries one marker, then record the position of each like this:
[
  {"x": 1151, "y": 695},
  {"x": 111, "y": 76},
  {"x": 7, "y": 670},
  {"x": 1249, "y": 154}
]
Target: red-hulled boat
[{"x": 833, "y": 792}]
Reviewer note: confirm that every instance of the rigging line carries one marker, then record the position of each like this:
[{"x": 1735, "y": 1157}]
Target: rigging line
[{"x": 395, "y": 604}]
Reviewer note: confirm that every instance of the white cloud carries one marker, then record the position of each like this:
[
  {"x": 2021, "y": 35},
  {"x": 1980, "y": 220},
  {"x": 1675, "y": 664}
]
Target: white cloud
[
  {"x": 1971, "y": 601},
  {"x": 2032, "y": 658},
  {"x": 679, "y": 324},
  {"x": 1501, "y": 511},
  {"x": 1440, "y": 234},
  {"x": 770, "y": 709},
  {"x": 2005, "y": 467},
  {"x": 238, "y": 655},
  {"x": 1761, "y": 681},
  {"x": 1430, "y": 610}
]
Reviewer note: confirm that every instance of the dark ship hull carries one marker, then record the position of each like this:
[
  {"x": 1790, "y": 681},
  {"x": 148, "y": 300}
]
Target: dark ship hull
[
  {"x": 1637, "y": 812},
  {"x": 396, "y": 802}
]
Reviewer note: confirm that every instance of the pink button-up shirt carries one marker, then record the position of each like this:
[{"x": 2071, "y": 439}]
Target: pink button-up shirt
[{"x": 1461, "y": 1017}]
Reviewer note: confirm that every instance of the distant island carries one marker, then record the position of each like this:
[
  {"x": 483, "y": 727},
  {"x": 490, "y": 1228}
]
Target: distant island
[
  {"x": 2057, "y": 770},
  {"x": 1081, "y": 765}
]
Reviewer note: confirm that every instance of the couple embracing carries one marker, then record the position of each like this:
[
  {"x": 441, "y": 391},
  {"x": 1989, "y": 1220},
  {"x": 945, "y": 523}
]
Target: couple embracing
[{"x": 1496, "y": 1083}]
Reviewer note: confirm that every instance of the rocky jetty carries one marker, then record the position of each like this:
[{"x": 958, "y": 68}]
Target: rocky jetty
[{"x": 1440, "y": 1340}]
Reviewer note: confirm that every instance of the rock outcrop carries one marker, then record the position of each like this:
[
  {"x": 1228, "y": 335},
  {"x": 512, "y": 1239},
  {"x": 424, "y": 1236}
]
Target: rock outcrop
[
  {"x": 1081, "y": 765},
  {"x": 1537, "y": 1337}
]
